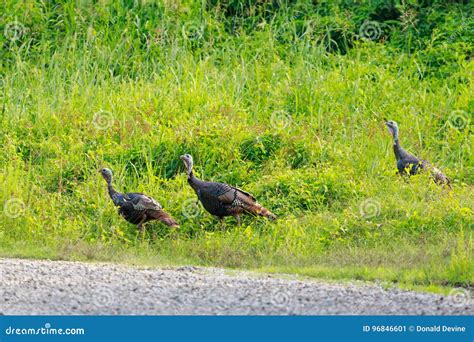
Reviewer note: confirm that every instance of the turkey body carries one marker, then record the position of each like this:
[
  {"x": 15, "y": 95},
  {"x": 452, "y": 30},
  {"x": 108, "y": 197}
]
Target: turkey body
[
  {"x": 408, "y": 164},
  {"x": 221, "y": 199},
  {"x": 138, "y": 209}
]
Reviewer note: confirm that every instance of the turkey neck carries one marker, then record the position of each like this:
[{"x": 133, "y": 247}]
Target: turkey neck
[
  {"x": 396, "y": 146},
  {"x": 112, "y": 193},
  {"x": 194, "y": 181}
]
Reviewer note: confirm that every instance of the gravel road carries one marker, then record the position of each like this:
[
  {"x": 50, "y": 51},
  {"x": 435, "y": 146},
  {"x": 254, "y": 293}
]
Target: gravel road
[{"x": 59, "y": 287}]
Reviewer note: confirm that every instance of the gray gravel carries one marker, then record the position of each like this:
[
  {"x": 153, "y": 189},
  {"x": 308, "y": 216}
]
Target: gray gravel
[{"x": 59, "y": 287}]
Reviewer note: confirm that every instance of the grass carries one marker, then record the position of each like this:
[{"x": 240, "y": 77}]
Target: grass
[{"x": 294, "y": 120}]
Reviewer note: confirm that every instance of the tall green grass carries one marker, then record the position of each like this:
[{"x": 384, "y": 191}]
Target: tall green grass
[{"x": 288, "y": 103}]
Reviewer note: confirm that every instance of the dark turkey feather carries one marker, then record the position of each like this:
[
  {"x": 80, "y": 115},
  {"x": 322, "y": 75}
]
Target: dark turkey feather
[
  {"x": 406, "y": 162},
  {"x": 221, "y": 199},
  {"x": 143, "y": 202},
  {"x": 137, "y": 208}
]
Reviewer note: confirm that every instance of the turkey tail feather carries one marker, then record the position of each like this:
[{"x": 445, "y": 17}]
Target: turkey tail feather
[
  {"x": 440, "y": 178},
  {"x": 257, "y": 209},
  {"x": 167, "y": 219},
  {"x": 170, "y": 222}
]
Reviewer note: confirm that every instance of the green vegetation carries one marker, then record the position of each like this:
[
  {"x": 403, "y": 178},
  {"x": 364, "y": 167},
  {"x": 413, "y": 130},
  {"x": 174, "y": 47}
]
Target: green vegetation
[{"x": 284, "y": 100}]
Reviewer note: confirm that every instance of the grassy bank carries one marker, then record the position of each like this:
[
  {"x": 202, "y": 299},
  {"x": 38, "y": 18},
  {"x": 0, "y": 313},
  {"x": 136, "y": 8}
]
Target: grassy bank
[{"x": 287, "y": 102}]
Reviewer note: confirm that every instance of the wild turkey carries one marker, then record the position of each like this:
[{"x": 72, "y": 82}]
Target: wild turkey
[
  {"x": 222, "y": 200},
  {"x": 137, "y": 208},
  {"x": 408, "y": 164}
]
